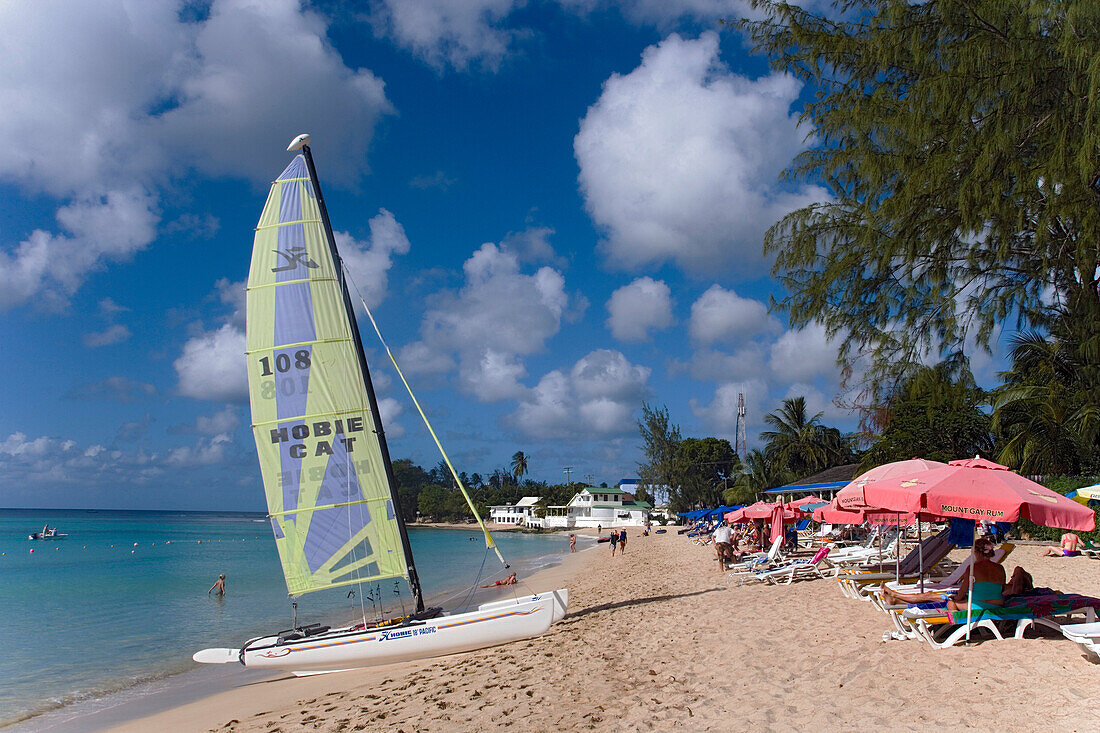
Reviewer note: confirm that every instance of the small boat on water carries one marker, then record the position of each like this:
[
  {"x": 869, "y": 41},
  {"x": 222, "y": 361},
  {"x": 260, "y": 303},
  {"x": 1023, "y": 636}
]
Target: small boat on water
[{"x": 47, "y": 533}]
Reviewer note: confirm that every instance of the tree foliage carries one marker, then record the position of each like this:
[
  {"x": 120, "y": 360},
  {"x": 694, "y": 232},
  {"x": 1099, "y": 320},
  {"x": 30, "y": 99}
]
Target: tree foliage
[
  {"x": 704, "y": 467},
  {"x": 958, "y": 140},
  {"x": 660, "y": 441},
  {"x": 1047, "y": 410},
  {"x": 800, "y": 443},
  {"x": 938, "y": 412},
  {"x": 519, "y": 465}
]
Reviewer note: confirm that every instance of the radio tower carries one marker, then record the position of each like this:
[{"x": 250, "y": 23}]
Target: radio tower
[{"x": 740, "y": 448}]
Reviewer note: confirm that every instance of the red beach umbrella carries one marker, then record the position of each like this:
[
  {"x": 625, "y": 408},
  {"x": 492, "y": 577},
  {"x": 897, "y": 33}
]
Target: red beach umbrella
[
  {"x": 777, "y": 522},
  {"x": 851, "y": 496},
  {"x": 978, "y": 489},
  {"x": 834, "y": 514}
]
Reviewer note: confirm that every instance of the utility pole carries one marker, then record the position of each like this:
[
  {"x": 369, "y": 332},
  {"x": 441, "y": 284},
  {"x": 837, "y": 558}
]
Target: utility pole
[
  {"x": 740, "y": 448},
  {"x": 567, "y": 470}
]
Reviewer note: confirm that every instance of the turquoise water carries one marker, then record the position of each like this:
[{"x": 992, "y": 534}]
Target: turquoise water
[{"x": 123, "y": 598}]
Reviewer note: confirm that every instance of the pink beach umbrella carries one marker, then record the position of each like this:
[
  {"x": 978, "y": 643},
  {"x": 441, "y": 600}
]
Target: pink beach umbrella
[
  {"x": 852, "y": 496},
  {"x": 777, "y": 522},
  {"x": 982, "y": 490},
  {"x": 834, "y": 514}
]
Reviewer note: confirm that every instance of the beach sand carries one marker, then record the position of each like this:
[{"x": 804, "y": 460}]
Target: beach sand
[{"x": 656, "y": 640}]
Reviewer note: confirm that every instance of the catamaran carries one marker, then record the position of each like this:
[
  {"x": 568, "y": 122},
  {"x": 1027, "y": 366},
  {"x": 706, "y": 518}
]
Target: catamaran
[{"x": 326, "y": 468}]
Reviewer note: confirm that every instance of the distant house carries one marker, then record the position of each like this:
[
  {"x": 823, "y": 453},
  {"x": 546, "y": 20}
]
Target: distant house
[
  {"x": 521, "y": 513},
  {"x": 594, "y": 506}
]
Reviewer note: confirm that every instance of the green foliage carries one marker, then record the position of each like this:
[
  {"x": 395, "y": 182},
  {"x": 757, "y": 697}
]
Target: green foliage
[
  {"x": 519, "y": 464},
  {"x": 936, "y": 413},
  {"x": 704, "y": 467},
  {"x": 759, "y": 473},
  {"x": 660, "y": 440},
  {"x": 958, "y": 140},
  {"x": 1063, "y": 485},
  {"x": 1047, "y": 410},
  {"x": 801, "y": 444}
]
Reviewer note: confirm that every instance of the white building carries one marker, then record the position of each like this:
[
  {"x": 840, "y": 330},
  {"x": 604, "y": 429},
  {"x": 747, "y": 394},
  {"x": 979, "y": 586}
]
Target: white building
[
  {"x": 520, "y": 513},
  {"x": 598, "y": 507}
]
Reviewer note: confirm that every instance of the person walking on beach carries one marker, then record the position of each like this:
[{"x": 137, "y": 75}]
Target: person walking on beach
[
  {"x": 219, "y": 586},
  {"x": 622, "y": 543},
  {"x": 572, "y": 543},
  {"x": 614, "y": 541},
  {"x": 599, "y": 529}
]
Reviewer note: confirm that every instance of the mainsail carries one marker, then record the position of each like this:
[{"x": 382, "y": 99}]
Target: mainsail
[{"x": 322, "y": 454}]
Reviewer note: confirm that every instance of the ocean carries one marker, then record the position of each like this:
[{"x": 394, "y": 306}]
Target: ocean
[{"x": 123, "y": 599}]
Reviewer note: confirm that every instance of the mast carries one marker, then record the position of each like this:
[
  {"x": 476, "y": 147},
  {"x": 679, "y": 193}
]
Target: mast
[{"x": 414, "y": 580}]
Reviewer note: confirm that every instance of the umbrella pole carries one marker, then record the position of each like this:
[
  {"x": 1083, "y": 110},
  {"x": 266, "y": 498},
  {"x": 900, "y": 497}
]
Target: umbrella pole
[
  {"x": 897, "y": 567},
  {"x": 970, "y": 590},
  {"x": 920, "y": 554}
]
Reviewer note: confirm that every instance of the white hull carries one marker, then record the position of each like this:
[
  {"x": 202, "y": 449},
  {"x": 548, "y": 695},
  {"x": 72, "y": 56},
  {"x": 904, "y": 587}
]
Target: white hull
[{"x": 341, "y": 649}]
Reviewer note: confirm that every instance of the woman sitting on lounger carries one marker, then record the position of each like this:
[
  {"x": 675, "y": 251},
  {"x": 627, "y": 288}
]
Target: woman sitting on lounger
[{"x": 989, "y": 584}]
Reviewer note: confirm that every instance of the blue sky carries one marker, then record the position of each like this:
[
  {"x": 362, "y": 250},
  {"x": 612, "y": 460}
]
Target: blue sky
[{"x": 554, "y": 209}]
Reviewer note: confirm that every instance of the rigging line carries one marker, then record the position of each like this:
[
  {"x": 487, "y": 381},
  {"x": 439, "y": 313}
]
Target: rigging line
[{"x": 489, "y": 541}]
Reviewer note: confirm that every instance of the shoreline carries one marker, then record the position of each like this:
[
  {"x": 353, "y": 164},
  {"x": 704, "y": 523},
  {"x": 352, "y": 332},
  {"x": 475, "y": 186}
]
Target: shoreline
[
  {"x": 163, "y": 692},
  {"x": 657, "y": 640}
]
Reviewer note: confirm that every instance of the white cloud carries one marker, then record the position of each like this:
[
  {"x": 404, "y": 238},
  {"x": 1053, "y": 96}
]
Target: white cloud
[
  {"x": 597, "y": 399},
  {"x": 390, "y": 410},
  {"x": 449, "y": 32},
  {"x": 205, "y": 452},
  {"x": 419, "y": 358},
  {"x": 256, "y": 68},
  {"x": 680, "y": 159},
  {"x": 711, "y": 365},
  {"x": 498, "y": 315},
  {"x": 723, "y": 315},
  {"x": 108, "y": 103},
  {"x": 638, "y": 307},
  {"x": 369, "y": 262},
  {"x": 97, "y": 230},
  {"x": 223, "y": 421},
  {"x": 721, "y": 414},
  {"x": 113, "y": 335},
  {"x": 212, "y": 366},
  {"x": 493, "y": 376},
  {"x": 804, "y": 354}
]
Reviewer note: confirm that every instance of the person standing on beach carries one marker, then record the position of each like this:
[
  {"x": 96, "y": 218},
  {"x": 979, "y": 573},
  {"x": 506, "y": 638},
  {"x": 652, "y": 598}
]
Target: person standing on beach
[
  {"x": 219, "y": 586},
  {"x": 572, "y": 543},
  {"x": 599, "y": 529},
  {"x": 614, "y": 541}
]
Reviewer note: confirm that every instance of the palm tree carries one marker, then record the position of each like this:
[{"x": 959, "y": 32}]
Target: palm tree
[
  {"x": 757, "y": 474},
  {"x": 519, "y": 464},
  {"x": 1046, "y": 412},
  {"x": 800, "y": 443}
]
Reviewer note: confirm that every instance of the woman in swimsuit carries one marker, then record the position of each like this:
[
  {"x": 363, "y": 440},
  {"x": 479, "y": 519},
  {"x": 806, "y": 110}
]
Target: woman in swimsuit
[
  {"x": 989, "y": 584},
  {"x": 1068, "y": 548}
]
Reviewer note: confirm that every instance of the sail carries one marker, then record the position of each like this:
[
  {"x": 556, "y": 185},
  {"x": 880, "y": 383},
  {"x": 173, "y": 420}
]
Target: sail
[{"x": 324, "y": 466}]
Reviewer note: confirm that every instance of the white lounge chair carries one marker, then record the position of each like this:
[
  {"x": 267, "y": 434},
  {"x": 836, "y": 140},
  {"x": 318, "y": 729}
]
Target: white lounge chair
[
  {"x": 763, "y": 562},
  {"x": 1087, "y": 636}
]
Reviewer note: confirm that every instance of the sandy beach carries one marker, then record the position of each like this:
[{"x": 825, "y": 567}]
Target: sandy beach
[{"x": 656, "y": 640}]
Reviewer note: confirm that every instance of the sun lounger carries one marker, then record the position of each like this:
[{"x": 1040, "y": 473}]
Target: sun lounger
[
  {"x": 948, "y": 584},
  {"x": 750, "y": 567},
  {"x": 861, "y": 581},
  {"x": 802, "y": 570},
  {"x": 942, "y": 628},
  {"x": 1086, "y": 635}
]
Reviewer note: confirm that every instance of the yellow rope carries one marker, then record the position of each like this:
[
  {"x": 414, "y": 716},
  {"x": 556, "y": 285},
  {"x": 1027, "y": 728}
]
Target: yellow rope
[{"x": 489, "y": 541}]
